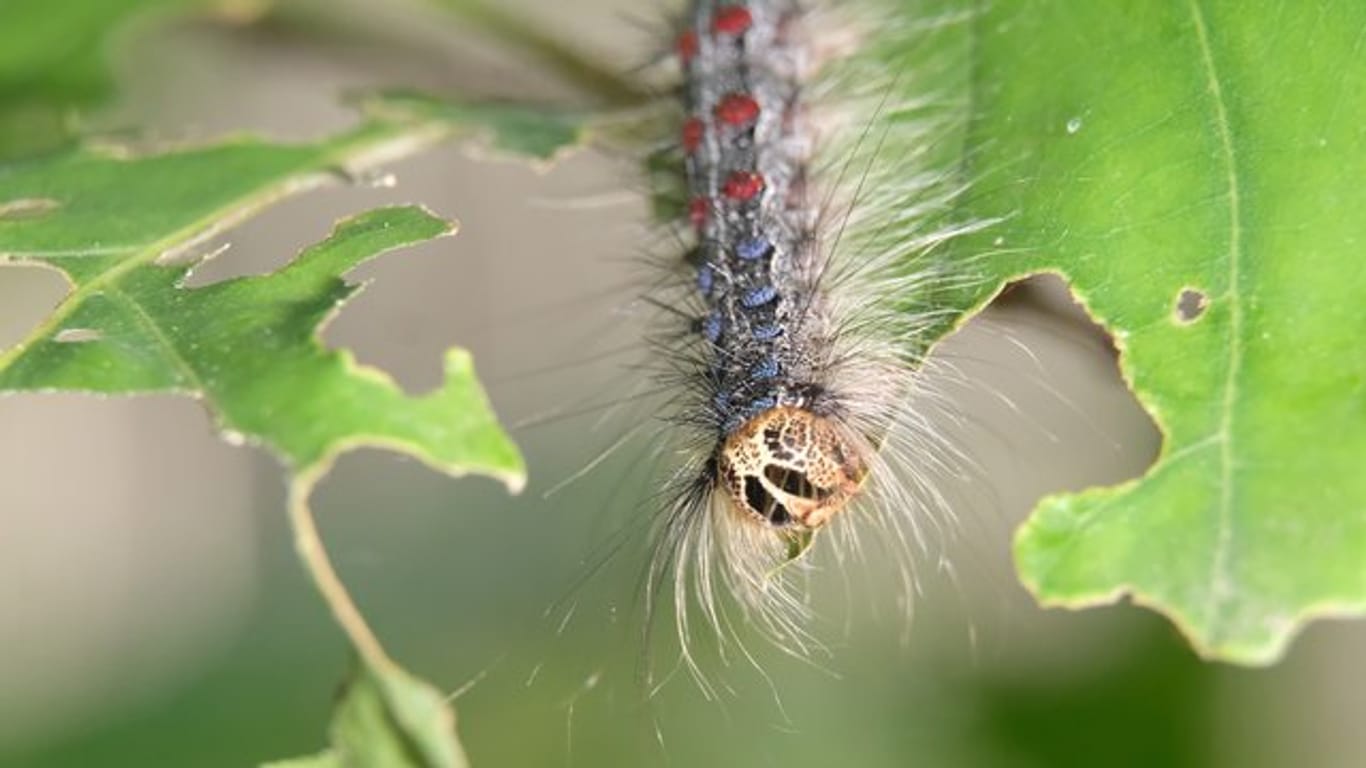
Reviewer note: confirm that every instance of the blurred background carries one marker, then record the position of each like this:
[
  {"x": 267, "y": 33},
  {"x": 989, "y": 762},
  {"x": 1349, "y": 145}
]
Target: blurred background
[{"x": 152, "y": 613}]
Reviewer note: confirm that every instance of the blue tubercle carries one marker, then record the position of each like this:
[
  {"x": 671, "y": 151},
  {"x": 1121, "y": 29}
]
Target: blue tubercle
[
  {"x": 753, "y": 249},
  {"x": 711, "y": 327},
  {"x": 758, "y": 296},
  {"x": 766, "y": 368},
  {"x": 705, "y": 278},
  {"x": 767, "y": 332}
]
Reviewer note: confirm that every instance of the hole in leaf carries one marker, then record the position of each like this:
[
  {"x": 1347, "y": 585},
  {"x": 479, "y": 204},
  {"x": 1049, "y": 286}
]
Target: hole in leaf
[
  {"x": 27, "y": 208},
  {"x": 77, "y": 335},
  {"x": 1190, "y": 305},
  {"x": 27, "y": 295},
  {"x": 1034, "y": 404}
]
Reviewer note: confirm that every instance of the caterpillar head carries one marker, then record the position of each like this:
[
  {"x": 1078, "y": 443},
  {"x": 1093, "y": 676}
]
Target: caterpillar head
[{"x": 788, "y": 467}]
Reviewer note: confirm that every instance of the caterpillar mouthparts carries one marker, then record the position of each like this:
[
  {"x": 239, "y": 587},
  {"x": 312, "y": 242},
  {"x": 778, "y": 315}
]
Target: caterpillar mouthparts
[{"x": 788, "y": 467}]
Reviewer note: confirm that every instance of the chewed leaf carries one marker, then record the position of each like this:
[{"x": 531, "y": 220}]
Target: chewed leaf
[
  {"x": 246, "y": 347},
  {"x": 1199, "y": 190},
  {"x": 388, "y": 718},
  {"x": 120, "y": 229},
  {"x": 539, "y": 132}
]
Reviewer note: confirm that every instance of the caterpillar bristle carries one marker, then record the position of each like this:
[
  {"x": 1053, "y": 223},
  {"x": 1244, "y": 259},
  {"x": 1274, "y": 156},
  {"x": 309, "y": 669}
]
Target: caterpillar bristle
[{"x": 810, "y": 277}]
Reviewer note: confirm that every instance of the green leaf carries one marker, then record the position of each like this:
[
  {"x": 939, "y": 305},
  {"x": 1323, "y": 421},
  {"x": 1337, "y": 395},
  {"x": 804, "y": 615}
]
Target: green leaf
[
  {"x": 247, "y": 347},
  {"x": 328, "y": 759},
  {"x": 539, "y": 133},
  {"x": 385, "y": 718},
  {"x": 1141, "y": 149},
  {"x": 53, "y": 59},
  {"x": 388, "y": 718},
  {"x": 113, "y": 226},
  {"x": 121, "y": 230}
]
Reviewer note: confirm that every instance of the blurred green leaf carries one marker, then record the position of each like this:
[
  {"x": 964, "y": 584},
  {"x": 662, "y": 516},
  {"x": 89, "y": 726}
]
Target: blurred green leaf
[
  {"x": 246, "y": 347},
  {"x": 53, "y": 59},
  {"x": 388, "y": 719},
  {"x": 1143, "y": 149},
  {"x": 538, "y": 133},
  {"x": 328, "y": 759},
  {"x": 568, "y": 63},
  {"x": 123, "y": 230}
]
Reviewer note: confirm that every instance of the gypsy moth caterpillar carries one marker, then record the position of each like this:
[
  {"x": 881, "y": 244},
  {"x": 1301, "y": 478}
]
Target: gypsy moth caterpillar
[{"x": 815, "y": 215}]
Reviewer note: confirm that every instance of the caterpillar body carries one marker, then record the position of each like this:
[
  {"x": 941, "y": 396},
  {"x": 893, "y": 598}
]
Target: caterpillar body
[{"x": 811, "y": 214}]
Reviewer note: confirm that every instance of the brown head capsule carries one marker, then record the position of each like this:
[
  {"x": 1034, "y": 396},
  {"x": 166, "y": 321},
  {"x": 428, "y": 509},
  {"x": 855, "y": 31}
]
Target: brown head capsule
[{"x": 789, "y": 467}]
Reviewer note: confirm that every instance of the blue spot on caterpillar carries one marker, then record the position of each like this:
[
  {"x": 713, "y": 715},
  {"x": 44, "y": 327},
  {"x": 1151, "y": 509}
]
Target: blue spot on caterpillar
[
  {"x": 704, "y": 279},
  {"x": 711, "y": 327},
  {"x": 757, "y": 297},
  {"x": 765, "y": 369},
  {"x": 753, "y": 249},
  {"x": 766, "y": 332}
]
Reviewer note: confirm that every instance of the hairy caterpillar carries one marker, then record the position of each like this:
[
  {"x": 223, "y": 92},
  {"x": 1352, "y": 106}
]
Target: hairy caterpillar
[{"x": 813, "y": 215}]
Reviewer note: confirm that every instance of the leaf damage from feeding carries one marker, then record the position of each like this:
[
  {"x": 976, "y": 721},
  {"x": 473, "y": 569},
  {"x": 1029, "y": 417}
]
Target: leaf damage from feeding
[{"x": 1191, "y": 217}]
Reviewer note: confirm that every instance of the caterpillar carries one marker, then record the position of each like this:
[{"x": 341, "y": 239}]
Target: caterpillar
[{"x": 813, "y": 214}]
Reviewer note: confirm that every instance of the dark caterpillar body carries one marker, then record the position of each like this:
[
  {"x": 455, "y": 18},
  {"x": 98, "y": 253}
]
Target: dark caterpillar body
[{"x": 782, "y": 455}]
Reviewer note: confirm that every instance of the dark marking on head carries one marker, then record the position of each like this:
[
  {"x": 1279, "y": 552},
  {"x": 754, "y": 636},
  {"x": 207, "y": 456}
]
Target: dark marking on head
[
  {"x": 795, "y": 483},
  {"x": 761, "y": 501}
]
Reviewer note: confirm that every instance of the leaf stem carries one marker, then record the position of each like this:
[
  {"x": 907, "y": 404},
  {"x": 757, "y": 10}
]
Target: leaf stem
[{"x": 309, "y": 546}]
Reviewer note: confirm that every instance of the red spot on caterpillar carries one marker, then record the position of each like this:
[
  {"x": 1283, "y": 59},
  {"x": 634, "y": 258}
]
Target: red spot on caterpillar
[
  {"x": 737, "y": 109},
  {"x": 743, "y": 185},
  {"x": 698, "y": 209},
  {"x": 687, "y": 45},
  {"x": 693, "y": 130},
  {"x": 731, "y": 20}
]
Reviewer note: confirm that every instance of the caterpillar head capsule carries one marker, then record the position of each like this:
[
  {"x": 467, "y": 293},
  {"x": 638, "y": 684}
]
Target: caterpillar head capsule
[{"x": 788, "y": 467}]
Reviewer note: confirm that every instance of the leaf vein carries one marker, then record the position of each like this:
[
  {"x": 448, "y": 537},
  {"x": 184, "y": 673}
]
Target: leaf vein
[
  {"x": 186, "y": 370},
  {"x": 1220, "y": 586}
]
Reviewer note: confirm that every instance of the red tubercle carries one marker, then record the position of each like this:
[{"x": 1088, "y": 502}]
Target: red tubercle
[
  {"x": 743, "y": 186},
  {"x": 687, "y": 46},
  {"x": 737, "y": 109},
  {"x": 698, "y": 209},
  {"x": 693, "y": 132},
  {"x": 731, "y": 20}
]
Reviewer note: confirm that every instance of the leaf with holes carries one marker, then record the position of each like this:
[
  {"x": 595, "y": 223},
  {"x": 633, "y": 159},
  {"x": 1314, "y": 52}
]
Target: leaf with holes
[
  {"x": 121, "y": 228},
  {"x": 247, "y": 347},
  {"x": 1193, "y": 168}
]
